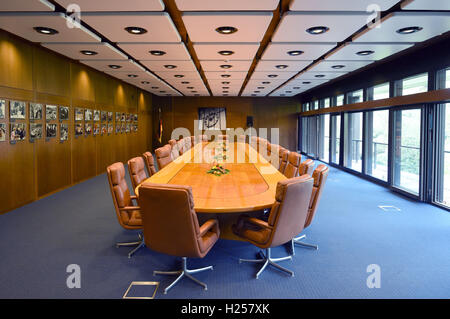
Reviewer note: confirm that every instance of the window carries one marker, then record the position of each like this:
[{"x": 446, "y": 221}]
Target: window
[
  {"x": 312, "y": 136},
  {"x": 325, "y": 103},
  {"x": 324, "y": 137},
  {"x": 335, "y": 138},
  {"x": 378, "y": 92},
  {"x": 353, "y": 140},
  {"x": 355, "y": 97},
  {"x": 412, "y": 85},
  {"x": 315, "y": 105},
  {"x": 306, "y": 107},
  {"x": 304, "y": 146},
  {"x": 377, "y": 144},
  {"x": 442, "y": 160},
  {"x": 407, "y": 146},
  {"x": 443, "y": 79},
  {"x": 339, "y": 100}
]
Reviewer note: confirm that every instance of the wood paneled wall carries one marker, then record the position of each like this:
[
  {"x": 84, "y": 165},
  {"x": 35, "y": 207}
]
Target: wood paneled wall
[
  {"x": 30, "y": 73},
  {"x": 267, "y": 112}
]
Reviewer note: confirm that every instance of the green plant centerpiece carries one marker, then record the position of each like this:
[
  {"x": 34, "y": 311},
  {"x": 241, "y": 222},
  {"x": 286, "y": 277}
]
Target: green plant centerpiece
[{"x": 218, "y": 170}]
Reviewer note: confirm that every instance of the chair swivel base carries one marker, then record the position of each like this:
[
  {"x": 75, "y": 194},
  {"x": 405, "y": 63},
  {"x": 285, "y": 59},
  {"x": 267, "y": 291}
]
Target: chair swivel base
[
  {"x": 184, "y": 272},
  {"x": 268, "y": 260},
  {"x": 138, "y": 245},
  {"x": 298, "y": 241}
]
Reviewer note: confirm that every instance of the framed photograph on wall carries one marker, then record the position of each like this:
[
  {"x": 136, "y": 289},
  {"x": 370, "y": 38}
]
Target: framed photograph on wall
[
  {"x": 88, "y": 115},
  {"x": 17, "y": 110},
  {"x": 118, "y": 126},
  {"x": 96, "y": 129},
  {"x": 51, "y": 130},
  {"x": 110, "y": 128},
  {"x": 78, "y": 114},
  {"x": 123, "y": 128},
  {"x": 110, "y": 116},
  {"x": 79, "y": 129},
  {"x": 96, "y": 115},
  {"x": 64, "y": 132},
  {"x": 2, "y": 132},
  {"x": 2, "y": 109},
  {"x": 88, "y": 128},
  {"x": 18, "y": 132},
  {"x": 118, "y": 115},
  {"x": 35, "y": 131},
  {"x": 123, "y": 117},
  {"x": 64, "y": 113},
  {"x": 35, "y": 111},
  {"x": 104, "y": 116},
  {"x": 51, "y": 112},
  {"x": 212, "y": 118},
  {"x": 104, "y": 129}
]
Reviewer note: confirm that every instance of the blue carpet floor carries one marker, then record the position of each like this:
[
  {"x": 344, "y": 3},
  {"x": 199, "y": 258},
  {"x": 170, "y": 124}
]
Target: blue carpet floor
[{"x": 79, "y": 226}]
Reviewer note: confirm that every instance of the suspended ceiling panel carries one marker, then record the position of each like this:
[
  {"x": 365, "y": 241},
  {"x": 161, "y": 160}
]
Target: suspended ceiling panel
[
  {"x": 426, "y": 5},
  {"x": 269, "y": 75},
  {"x": 230, "y": 92},
  {"x": 227, "y": 5},
  {"x": 171, "y": 51},
  {"x": 241, "y": 51},
  {"x": 333, "y": 66},
  {"x": 251, "y": 26},
  {"x": 171, "y": 75},
  {"x": 273, "y": 83},
  {"x": 26, "y": 5},
  {"x": 281, "y": 93},
  {"x": 73, "y": 50},
  {"x": 432, "y": 24},
  {"x": 380, "y": 51},
  {"x": 115, "y": 5},
  {"x": 235, "y": 65},
  {"x": 309, "y": 75},
  {"x": 311, "y": 51},
  {"x": 306, "y": 83},
  {"x": 225, "y": 82},
  {"x": 278, "y": 65},
  {"x": 225, "y": 75},
  {"x": 339, "y": 5},
  {"x": 138, "y": 76},
  {"x": 111, "y": 65},
  {"x": 169, "y": 65},
  {"x": 159, "y": 26},
  {"x": 23, "y": 24},
  {"x": 294, "y": 25}
]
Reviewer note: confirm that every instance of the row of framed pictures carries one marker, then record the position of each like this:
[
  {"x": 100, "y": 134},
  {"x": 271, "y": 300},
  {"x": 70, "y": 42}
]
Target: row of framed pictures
[
  {"x": 17, "y": 111},
  {"x": 18, "y": 131}
]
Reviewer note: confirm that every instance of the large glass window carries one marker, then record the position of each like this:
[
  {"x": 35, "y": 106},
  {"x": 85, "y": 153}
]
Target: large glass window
[
  {"x": 442, "y": 163},
  {"x": 339, "y": 100},
  {"x": 304, "y": 145},
  {"x": 377, "y": 144},
  {"x": 378, "y": 92},
  {"x": 443, "y": 79},
  {"x": 355, "y": 97},
  {"x": 335, "y": 138},
  {"x": 324, "y": 137},
  {"x": 412, "y": 85},
  {"x": 315, "y": 105},
  {"x": 312, "y": 136},
  {"x": 353, "y": 140},
  {"x": 306, "y": 107},
  {"x": 407, "y": 145},
  {"x": 325, "y": 103}
]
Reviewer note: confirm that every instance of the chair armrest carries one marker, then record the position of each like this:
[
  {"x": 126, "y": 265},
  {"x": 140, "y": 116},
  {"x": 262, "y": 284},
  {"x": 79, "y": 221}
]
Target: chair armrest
[
  {"x": 258, "y": 222},
  {"x": 207, "y": 226},
  {"x": 129, "y": 208}
]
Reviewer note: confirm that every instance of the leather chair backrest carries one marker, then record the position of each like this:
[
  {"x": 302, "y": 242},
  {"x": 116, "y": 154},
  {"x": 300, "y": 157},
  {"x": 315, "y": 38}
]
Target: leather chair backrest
[
  {"x": 163, "y": 157},
  {"x": 181, "y": 148},
  {"x": 292, "y": 165},
  {"x": 319, "y": 175},
  {"x": 284, "y": 154},
  {"x": 187, "y": 144},
  {"x": 290, "y": 210},
  {"x": 136, "y": 169},
  {"x": 149, "y": 163},
  {"x": 169, "y": 219},
  {"x": 307, "y": 167},
  {"x": 172, "y": 142},
  {"x": 174, "y": 153},
  {"x": 119, "y": 191}
]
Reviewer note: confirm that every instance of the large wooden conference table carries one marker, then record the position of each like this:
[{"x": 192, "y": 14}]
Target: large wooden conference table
[{"x": 249, "y": 187}]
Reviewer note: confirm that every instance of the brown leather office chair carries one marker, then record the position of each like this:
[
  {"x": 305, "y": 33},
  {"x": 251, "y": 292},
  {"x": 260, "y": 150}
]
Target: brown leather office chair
[
  {"x": 172, "y": 142},
  {"x": 127, "y": 213},
  {"x": 292, "y": 165},
  {"x": 287, "y": 218},
  {"x": 306, "y": 167},
  {"x": 136, "y": 169},
  {"x": 149, "y": 163},
  {"x": 187, "y": 143},
  {"x": 319, "y": 175},
  {"x": 171, "y": 226},
  {"x": 283, "y": 155},
  {"x": 163, "y": 156}
]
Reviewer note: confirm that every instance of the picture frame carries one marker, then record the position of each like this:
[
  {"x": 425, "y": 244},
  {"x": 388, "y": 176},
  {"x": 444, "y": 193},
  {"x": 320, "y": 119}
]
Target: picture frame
[
  {"x": 110, "y": 116},
  {"x": 2, "y": 132},
  {"x": 64, "y": 132},
  {"x": 104, "y": 116},
  {"x": 88, "y": 115},
  {"x": 118, "y": 128},
  {"x": 51, "y": 130},
  {"x": 212, "y": 118},
  {"x": 36, "y": 111},
  {"x": 79, "y": 114},
  {"x": 63, "y": 113},
  {"x": 104, "y": 129},
  {"x": 96, "y": 115},
  {"x": 18, "y": 131},
  {"x": 2, "y": 109},
  {"x": 17, "y": 110},
  {"x": 118, "y": 116},
  {"x": 79, "y": 130},
  {"x": 88, "y": 128},
  {"x": 36, "y": 131},
  {"x": 123, "y": 117},
  {"x": 51, "y": 112},
  {"x": 96, "y": 129},
  {"x": 110, "y": 128}
]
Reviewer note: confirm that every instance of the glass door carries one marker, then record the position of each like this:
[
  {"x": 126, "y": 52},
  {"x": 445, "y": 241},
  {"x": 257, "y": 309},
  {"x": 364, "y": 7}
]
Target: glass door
[
  {"x": 442, "y": 156},
  {"x": 324, "y": 137},
  {"x": 377, "y": 144}
]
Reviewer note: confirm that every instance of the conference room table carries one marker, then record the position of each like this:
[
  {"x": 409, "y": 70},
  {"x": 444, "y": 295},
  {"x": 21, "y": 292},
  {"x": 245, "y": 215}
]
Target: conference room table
[{"x": 249, "y": 187}]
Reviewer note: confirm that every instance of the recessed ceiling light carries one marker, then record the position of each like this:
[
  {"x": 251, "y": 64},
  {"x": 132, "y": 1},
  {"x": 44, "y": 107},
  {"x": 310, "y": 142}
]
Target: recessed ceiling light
[
  {"x": 185, "y": 82},
  {"x": 319, "y": 75},
  {"x": 260, "y": 87},
  {"x": 226, "y": 30},
  {"x": 225, "y": 91},
  {"x": 225, "y": 87},
  {"x": 256, "y": 91},
  {"x": 295, "y": 53},
  {"x": 88, "y": 52},
  {"x": 365, "y": 52},
  {"x": 155, "y": 87},
  {"x": 162, "y": 91},
  {"x": 288, "y": 91},
  {"x": 226, "y": 66},
  {"x": 265, "y": 82},
  {"x": 145, "y": 82},
  {"x": 281, "y": 66},
  {"x": 114, "y": 66},
  {"x": 157, "y": 52},
  {"x": 135, "y": 30},
  {"x": 45, "y": 30},
  {"x": 226, "y": 52},
  {"x": 225, "y": 82},
  {"x": 317, "y": 30},
  {"x": 179, "y": 75},
  {"x": 132, "y": 76},
  {"x": 190, "y": 87},
  {"x": 296, "y": 88},
  {"x": 272, "y": 75},
  {"x": 193, "y": 91},
  {"x": 225, "y": 75},
  {"x": 338, "y": 66},
  {"x": 170, "y": 66},
  {"x": 306, "y": 82},
  {"x": 409, "y": 30}
]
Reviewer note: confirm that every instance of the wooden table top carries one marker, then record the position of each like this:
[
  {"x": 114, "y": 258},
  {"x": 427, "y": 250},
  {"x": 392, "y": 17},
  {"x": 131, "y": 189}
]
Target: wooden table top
[{"x": 250, "y": 185}]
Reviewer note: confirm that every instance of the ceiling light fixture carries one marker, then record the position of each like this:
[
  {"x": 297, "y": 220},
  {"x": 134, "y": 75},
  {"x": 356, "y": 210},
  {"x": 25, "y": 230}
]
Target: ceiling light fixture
[
  {"x": 296, "y": 88},
  {"x": 226, "y": 30},
  {"x": 295, "y": 53},
  {"x": 225, "y": 82},
  {"x": 256, "y": 91},
  {"x": 226, "y": 66},
  {"x": 260, "y": 87},
  {"x": 409, "y": 30},
  {"x": 288, "y": 91},
  {"x": 226, "y": 52},
  {"x": 155, "y": 87},
  {"x": 190, "y": 87},
  {"x": 272, "y": 75},
  {"x": 145, "y": 82},
  {"x": 319, "y": 75},
  {"x": 338, "y": 66},
  {"x": 135, "y": 30},
  {"x": 88, "y": 52},
  {"x": 306, "y": 82},
  {"x": 225, "y": 75},
  {"x": 170, "y": 66},
  {"x": 281, "y": 66},
  {"x": 317, "y": 30},
  {"x": 265, "y": 82},
  {"x": 179, "y": 75},
  {"x": 365, "y": 52},
  {"x": 114, "y": 66},
  {"x": 45, "y": 30},
  {"x": 185, "y": 82},
  {"x": 157, "y": 52},
  {"x": 132, "y": 76}
]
